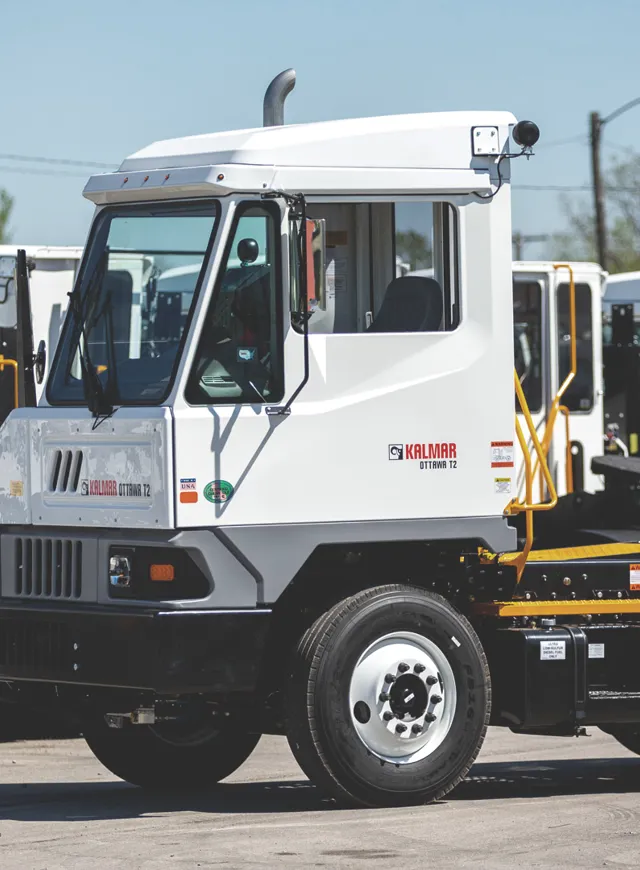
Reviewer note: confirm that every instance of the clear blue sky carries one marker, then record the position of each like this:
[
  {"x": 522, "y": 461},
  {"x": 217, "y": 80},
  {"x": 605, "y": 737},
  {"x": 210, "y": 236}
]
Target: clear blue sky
[{"x": 95, "y": 81}]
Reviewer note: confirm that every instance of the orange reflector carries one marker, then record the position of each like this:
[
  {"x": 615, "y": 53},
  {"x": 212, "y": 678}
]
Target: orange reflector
[
  {"x": 188, "y": 497},
  {"x": 100, "y": 369},
  {"x": 162, "y": 573}
]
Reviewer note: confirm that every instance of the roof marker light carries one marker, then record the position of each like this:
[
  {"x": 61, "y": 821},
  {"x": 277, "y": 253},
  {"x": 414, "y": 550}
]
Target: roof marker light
[
  {"x": 221, "y": 176},
  {"x": 166, "y": 178},
  {"x": 126, "y": 179},
  {"x": 146, "y": 178}
]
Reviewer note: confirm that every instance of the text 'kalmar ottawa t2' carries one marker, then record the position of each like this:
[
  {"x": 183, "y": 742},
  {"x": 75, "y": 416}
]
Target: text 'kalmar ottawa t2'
[{"x": 276, "y": 482}]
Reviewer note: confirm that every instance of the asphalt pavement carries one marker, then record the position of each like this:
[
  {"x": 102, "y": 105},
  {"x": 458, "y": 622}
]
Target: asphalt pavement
[{"x": 534, "y": 802}]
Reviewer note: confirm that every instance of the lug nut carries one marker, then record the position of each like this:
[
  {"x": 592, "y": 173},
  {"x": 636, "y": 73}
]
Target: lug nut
[
  {"x": 435, "y": 699},
  {"x": 403, "y": 667},
  {"x": 390, "y": 678},
  {"x": 400, "y": 728},
  {"x": 388, "y": 716},
  {"x": 416, "y": 729},
  {"x": 431, "y": 680},
  {"x": 383, "y": 696},
  {"x": 419, "y": 668},
  {"x": 429, "y": 717}
]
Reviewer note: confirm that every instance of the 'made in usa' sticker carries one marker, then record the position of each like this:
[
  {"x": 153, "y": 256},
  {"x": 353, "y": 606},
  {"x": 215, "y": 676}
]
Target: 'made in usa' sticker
[{"x": 218, "y": 491}]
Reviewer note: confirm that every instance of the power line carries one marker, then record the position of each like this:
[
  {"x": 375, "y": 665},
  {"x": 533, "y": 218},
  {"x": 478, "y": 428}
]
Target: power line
[
  {"x": 627, "y": 149},
  {"x": 22, "y": 158},
  {"x": 567, "y": 188},
  {"x": 23, "y": 170},
  {"x": 573, "y": 140}
]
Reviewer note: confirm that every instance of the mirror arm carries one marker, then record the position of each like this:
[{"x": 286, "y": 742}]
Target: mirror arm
[{"x": 298, "y": 207}]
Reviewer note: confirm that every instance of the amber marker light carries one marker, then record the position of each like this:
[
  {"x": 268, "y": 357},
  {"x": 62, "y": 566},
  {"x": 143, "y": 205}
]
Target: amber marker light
[{"x": 162, "y": 573}]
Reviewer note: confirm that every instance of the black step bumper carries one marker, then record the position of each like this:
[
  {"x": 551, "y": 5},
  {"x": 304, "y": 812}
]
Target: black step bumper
[{"x": 169, "y": 652}]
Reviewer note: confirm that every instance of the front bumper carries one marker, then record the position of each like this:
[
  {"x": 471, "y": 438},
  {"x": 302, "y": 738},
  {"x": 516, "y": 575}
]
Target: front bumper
[{"x": 168, "y": 652}]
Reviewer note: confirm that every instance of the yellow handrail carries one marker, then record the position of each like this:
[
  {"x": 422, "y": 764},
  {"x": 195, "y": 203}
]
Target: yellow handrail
[
  {"x": 555, "y": 405},
  {"x": 527, "y": 506},
  {"x": 14, "y": 365}
]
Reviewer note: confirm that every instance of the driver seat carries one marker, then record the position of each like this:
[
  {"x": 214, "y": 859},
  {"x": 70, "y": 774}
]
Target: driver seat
[{"x": 411, "y": 304}]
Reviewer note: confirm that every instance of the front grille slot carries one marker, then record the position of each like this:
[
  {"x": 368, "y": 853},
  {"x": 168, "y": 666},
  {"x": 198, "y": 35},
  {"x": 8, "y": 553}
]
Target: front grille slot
[
  {"x": 48, "y": 568},
  {"x": 66, "y": 466},
  {"x": 38, "y": 646}
]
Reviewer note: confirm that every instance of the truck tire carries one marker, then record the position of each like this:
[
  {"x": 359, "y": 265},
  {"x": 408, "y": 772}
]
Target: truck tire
[
  {"x": 155, "y": 759},
  {"x": 627, "y": 734},
  {"x": 389, "y": 698}
]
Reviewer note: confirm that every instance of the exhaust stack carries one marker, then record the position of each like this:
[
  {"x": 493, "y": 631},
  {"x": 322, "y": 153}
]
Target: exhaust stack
[{"x": 276, "y": 94}]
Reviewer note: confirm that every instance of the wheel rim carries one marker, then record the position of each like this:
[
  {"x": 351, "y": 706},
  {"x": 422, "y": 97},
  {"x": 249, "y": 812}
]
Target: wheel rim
[{"x": 402, "y": 697}]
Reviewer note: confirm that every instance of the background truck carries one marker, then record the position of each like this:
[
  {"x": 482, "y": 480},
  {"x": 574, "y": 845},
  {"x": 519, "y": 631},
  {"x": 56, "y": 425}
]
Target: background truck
[
  {"x": 52, "y": 273},
  {"x": 282, "y": 497}
]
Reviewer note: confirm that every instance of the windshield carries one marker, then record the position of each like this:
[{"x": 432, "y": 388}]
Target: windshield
[{"x": 133, "y": 303}]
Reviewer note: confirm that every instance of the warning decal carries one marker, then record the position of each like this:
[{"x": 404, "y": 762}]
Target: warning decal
[
  {"x": 634, "y": 578},
  {"x": 502, "y": 484},
  {"x": 502, "y": 454}
]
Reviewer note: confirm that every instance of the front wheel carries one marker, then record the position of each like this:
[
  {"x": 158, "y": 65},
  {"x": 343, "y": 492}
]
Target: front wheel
[
  {"x": 389, "y": 698},
  {"x": 165, "y": 757}
]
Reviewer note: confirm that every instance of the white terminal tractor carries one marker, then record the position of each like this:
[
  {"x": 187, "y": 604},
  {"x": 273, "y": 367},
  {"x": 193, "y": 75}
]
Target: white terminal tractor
[{"x": 271, "y": 484}]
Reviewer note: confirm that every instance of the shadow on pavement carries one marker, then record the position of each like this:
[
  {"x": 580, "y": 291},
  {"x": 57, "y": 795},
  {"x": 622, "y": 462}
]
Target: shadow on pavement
[
  {"x": 527, "y": 779},
  {"x": 118, "y": 800},
  {"x": 487, "y": 781}
]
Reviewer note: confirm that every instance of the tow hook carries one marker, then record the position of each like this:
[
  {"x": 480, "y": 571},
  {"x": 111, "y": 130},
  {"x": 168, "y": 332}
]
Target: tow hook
[{"x": 141, "y": 716}]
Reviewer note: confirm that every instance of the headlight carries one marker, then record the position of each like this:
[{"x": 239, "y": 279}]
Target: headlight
[{"x": 120, "y": 571}]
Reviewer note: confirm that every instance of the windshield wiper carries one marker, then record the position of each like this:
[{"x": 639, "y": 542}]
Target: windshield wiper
[{"x": 95, "y": 394}]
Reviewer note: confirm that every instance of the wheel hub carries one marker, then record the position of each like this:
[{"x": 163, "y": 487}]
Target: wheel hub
[
  {"x": 408, "y": 697},
  {"x": 402, "y": 697}
]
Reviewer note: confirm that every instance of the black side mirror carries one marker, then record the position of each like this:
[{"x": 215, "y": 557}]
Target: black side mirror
[
  {"x": 40, "y": 362},
  {"x": 248, "y": 251}
]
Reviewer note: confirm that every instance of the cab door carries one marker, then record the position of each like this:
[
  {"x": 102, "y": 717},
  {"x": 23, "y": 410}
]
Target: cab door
[
  {"x": 584, "y": 396},
  {"x": 530, "y": 318}
]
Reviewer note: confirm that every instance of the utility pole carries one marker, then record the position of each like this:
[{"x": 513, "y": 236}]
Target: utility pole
[
  {"x": 598, "y": 191},
  {"x": 519, "y": 240}
]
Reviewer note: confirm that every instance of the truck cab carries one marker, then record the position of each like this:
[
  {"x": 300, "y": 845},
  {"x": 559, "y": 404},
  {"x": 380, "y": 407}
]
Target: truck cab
[{"x": 271, "y": 484}]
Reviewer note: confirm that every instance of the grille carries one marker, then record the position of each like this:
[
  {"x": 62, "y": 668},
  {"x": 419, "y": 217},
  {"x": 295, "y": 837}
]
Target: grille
[
  {"x": 48, "y": 568},
  {"x": 36, "y": 647},
  {"x": 66, "y": 466}
]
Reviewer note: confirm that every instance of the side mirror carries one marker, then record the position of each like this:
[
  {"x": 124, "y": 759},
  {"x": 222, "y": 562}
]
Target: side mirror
[
  {"x": 248, "y": 250},
  {"x": 315, "y": 239},
  {"x": 40, "y": 362}
]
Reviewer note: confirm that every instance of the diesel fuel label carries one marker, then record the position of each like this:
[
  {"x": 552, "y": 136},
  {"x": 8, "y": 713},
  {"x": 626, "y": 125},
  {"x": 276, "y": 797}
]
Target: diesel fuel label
[{"x": 427, "y": 457}]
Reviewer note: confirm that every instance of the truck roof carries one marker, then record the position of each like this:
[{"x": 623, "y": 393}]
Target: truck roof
[
  {"x": 431, "y": 152},
  {"x": 548, "y": 266},
  {"x": 402, "y": 141}
]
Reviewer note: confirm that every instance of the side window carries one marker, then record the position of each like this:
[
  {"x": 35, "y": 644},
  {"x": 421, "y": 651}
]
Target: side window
[
  {"x": 426, "y": 247},
  {"x": 389, "y": 267},
  {"x": 239, "y": 357},
  {"x": 527, "y": 339},
  {"x": 579, "y": 396}
]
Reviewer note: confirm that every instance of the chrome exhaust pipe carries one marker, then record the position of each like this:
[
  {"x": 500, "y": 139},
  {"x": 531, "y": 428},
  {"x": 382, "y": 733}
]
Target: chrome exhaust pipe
[{"x": 276, "y": 94}]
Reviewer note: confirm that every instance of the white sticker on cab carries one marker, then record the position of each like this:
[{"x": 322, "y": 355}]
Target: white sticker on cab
[
  {"x": 596, "y": 650},
  {"x": 553, "y": 650}
]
